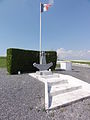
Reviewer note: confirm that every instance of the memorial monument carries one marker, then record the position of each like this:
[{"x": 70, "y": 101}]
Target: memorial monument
[{"x": 43, "y": 66}]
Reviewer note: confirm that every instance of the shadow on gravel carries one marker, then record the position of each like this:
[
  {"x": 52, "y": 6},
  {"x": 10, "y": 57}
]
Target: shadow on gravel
[{"x": 62, "y": 70}]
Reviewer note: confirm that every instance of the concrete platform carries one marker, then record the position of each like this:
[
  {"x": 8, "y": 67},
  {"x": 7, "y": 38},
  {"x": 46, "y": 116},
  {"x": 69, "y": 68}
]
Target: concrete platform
[{"x": 62, "y": 89}]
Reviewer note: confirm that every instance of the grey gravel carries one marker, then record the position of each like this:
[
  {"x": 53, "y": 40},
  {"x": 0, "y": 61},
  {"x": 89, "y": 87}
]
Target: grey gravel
[{"x": 22, "y": 98}]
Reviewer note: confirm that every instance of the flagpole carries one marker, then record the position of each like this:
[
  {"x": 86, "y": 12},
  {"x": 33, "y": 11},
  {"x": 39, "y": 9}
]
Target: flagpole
[{"x": 40, "y": 36}]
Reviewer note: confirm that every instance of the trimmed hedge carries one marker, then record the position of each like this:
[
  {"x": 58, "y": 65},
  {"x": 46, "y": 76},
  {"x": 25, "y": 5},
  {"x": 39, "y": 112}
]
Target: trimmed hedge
[
  {"x": 22, "y": 60},
  {"x": 51, "y": 56}
]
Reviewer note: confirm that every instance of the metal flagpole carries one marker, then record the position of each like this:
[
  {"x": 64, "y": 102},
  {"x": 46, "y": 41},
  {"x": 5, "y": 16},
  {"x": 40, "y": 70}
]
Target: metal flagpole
[
  {"x": 43, "y": 65},
  {"x": 40, "y": 36}
]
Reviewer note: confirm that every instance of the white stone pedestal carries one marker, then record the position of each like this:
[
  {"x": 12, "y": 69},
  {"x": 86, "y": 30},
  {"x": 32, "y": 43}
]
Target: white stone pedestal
[
  {"x": 62, "y": 89},
  {"x": 44, "y": 72}
]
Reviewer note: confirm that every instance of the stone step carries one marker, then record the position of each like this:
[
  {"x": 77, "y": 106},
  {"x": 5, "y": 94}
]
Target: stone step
[
  {"x": 61, "y": 86},
  {"x": 53, "y": 76},
  {"x": 67, "y": 97},
  {"x": 69, "y": 89},
  {"x": 57, "y": 82}
]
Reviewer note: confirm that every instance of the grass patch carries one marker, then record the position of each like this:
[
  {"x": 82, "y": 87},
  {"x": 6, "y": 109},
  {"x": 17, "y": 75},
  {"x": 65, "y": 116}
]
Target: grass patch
[{"x": 3, "y": 62}]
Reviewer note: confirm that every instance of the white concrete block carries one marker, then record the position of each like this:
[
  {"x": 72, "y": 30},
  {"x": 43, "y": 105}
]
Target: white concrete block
[{"x": 66, "y": 65}]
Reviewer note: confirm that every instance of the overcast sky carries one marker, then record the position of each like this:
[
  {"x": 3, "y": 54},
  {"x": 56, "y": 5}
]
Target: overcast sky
[
  {"x": 65, "y": 25},
  {"x": 73, "y": 54}
]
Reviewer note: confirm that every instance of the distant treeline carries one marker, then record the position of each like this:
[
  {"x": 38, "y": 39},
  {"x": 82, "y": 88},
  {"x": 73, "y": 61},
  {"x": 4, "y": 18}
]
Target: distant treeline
[{"x": 81, "y": 62}]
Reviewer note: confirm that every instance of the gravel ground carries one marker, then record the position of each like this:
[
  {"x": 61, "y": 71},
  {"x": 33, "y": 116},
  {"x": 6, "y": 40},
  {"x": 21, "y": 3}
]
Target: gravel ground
[{"x": 22, "y": 98}]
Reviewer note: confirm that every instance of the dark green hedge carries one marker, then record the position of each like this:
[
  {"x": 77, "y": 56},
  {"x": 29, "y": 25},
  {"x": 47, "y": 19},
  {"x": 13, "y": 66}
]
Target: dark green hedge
[
  {"x": 51, "y": 56},
  {"x": 22, "y": 60}
]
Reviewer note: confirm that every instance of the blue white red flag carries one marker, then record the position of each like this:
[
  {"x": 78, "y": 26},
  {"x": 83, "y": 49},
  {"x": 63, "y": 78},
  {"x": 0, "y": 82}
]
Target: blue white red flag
[{"x": 44, "y": 7}]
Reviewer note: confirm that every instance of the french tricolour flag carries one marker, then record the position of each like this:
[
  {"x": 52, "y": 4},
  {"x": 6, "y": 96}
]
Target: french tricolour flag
[{"x": 44, "y": 7}]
